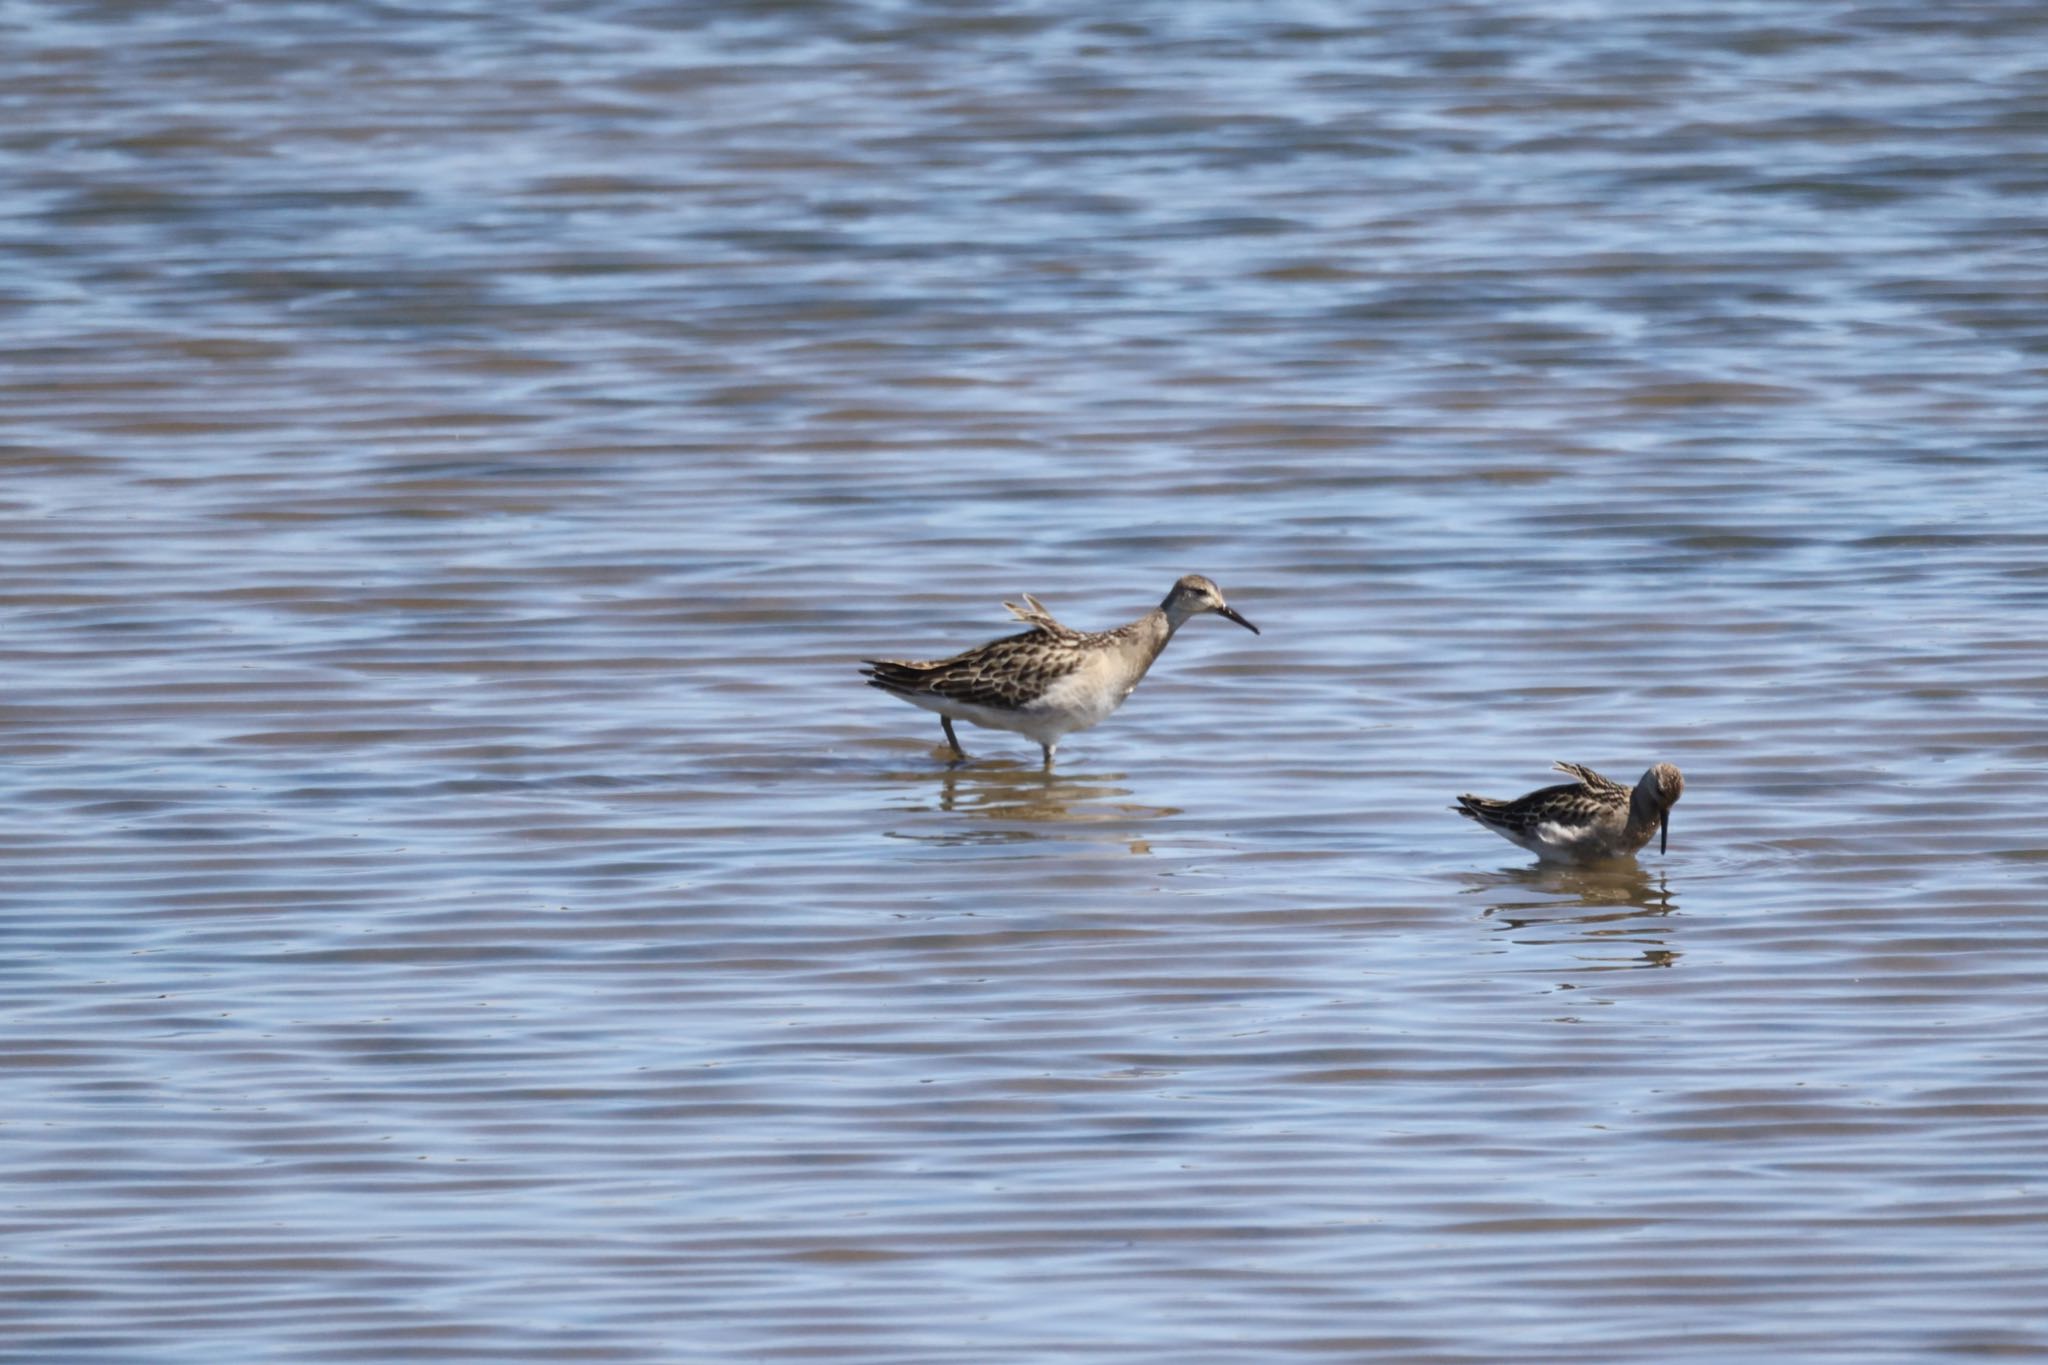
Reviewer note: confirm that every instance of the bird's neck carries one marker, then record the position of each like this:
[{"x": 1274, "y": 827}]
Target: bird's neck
[
  {"x": 1144, "y": 638},
  {"x": 1173, "y": 612},
  {"x": 1643, "y": 810}
]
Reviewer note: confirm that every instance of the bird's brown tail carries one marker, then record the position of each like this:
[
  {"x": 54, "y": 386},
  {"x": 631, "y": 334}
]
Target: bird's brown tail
[{"x": 894, "y": 675}]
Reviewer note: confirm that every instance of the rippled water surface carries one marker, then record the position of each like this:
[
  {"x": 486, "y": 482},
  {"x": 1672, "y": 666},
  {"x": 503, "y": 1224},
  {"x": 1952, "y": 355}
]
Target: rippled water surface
[{"x": 461, "y": 903}]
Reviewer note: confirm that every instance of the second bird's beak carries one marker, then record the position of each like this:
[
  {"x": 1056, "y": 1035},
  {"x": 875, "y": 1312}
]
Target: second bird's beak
[
  {"x": 1227, "y": 614},
  {"x": 1664, "y": 844}
]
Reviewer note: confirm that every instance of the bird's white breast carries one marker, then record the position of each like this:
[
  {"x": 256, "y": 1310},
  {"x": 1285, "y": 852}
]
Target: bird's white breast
[{"x": 1085, "y": 697}]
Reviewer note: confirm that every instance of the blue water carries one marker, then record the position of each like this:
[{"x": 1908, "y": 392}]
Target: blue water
[{"x": 461, "y": 903}]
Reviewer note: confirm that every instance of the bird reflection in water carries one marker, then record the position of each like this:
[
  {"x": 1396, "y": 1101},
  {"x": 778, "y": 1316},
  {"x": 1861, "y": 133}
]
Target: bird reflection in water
[
  {"x": 1615, "y": 903},
  {"x": 1021, "y": 802}
]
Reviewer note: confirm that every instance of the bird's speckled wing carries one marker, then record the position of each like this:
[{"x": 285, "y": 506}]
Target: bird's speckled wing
[
  {"x": 1006, "y": 674},
  {"x": 1034, "y": 613},
  {"x": 1593, "y": 780},
  {"x": 1571, "y": 805}
]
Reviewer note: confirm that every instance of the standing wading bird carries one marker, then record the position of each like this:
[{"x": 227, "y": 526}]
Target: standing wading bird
[
  {"x": 1587, "y": 820},
  {"x": 1049, "y": 681}
]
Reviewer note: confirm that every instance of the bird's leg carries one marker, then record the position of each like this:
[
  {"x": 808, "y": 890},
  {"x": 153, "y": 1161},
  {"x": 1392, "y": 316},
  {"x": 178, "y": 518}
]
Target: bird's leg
[
  {"x": 952, "y": 738},
  {"x": 1049, "y": 750}
]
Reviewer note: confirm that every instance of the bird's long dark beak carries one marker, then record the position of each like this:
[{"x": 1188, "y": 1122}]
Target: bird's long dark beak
[
  {"x": 1229, "y": 615},
  {"x": 1664, "y": 844}
]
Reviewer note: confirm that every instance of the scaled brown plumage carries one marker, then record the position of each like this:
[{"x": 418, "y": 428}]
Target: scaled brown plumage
[
  {"x": 1007, "y": 674},
  {"x": 1591, "y": 819},
  {"x": 1049, "y": 681}
]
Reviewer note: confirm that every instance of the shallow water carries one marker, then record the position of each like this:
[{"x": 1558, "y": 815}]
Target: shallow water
[{"x": 463, "y": 905}]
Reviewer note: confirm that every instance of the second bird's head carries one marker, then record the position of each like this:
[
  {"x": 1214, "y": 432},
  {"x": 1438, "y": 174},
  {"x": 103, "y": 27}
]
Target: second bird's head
[
  {"x": 1660, "y": 789},
  {"x": 1194, "y": 595}
]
